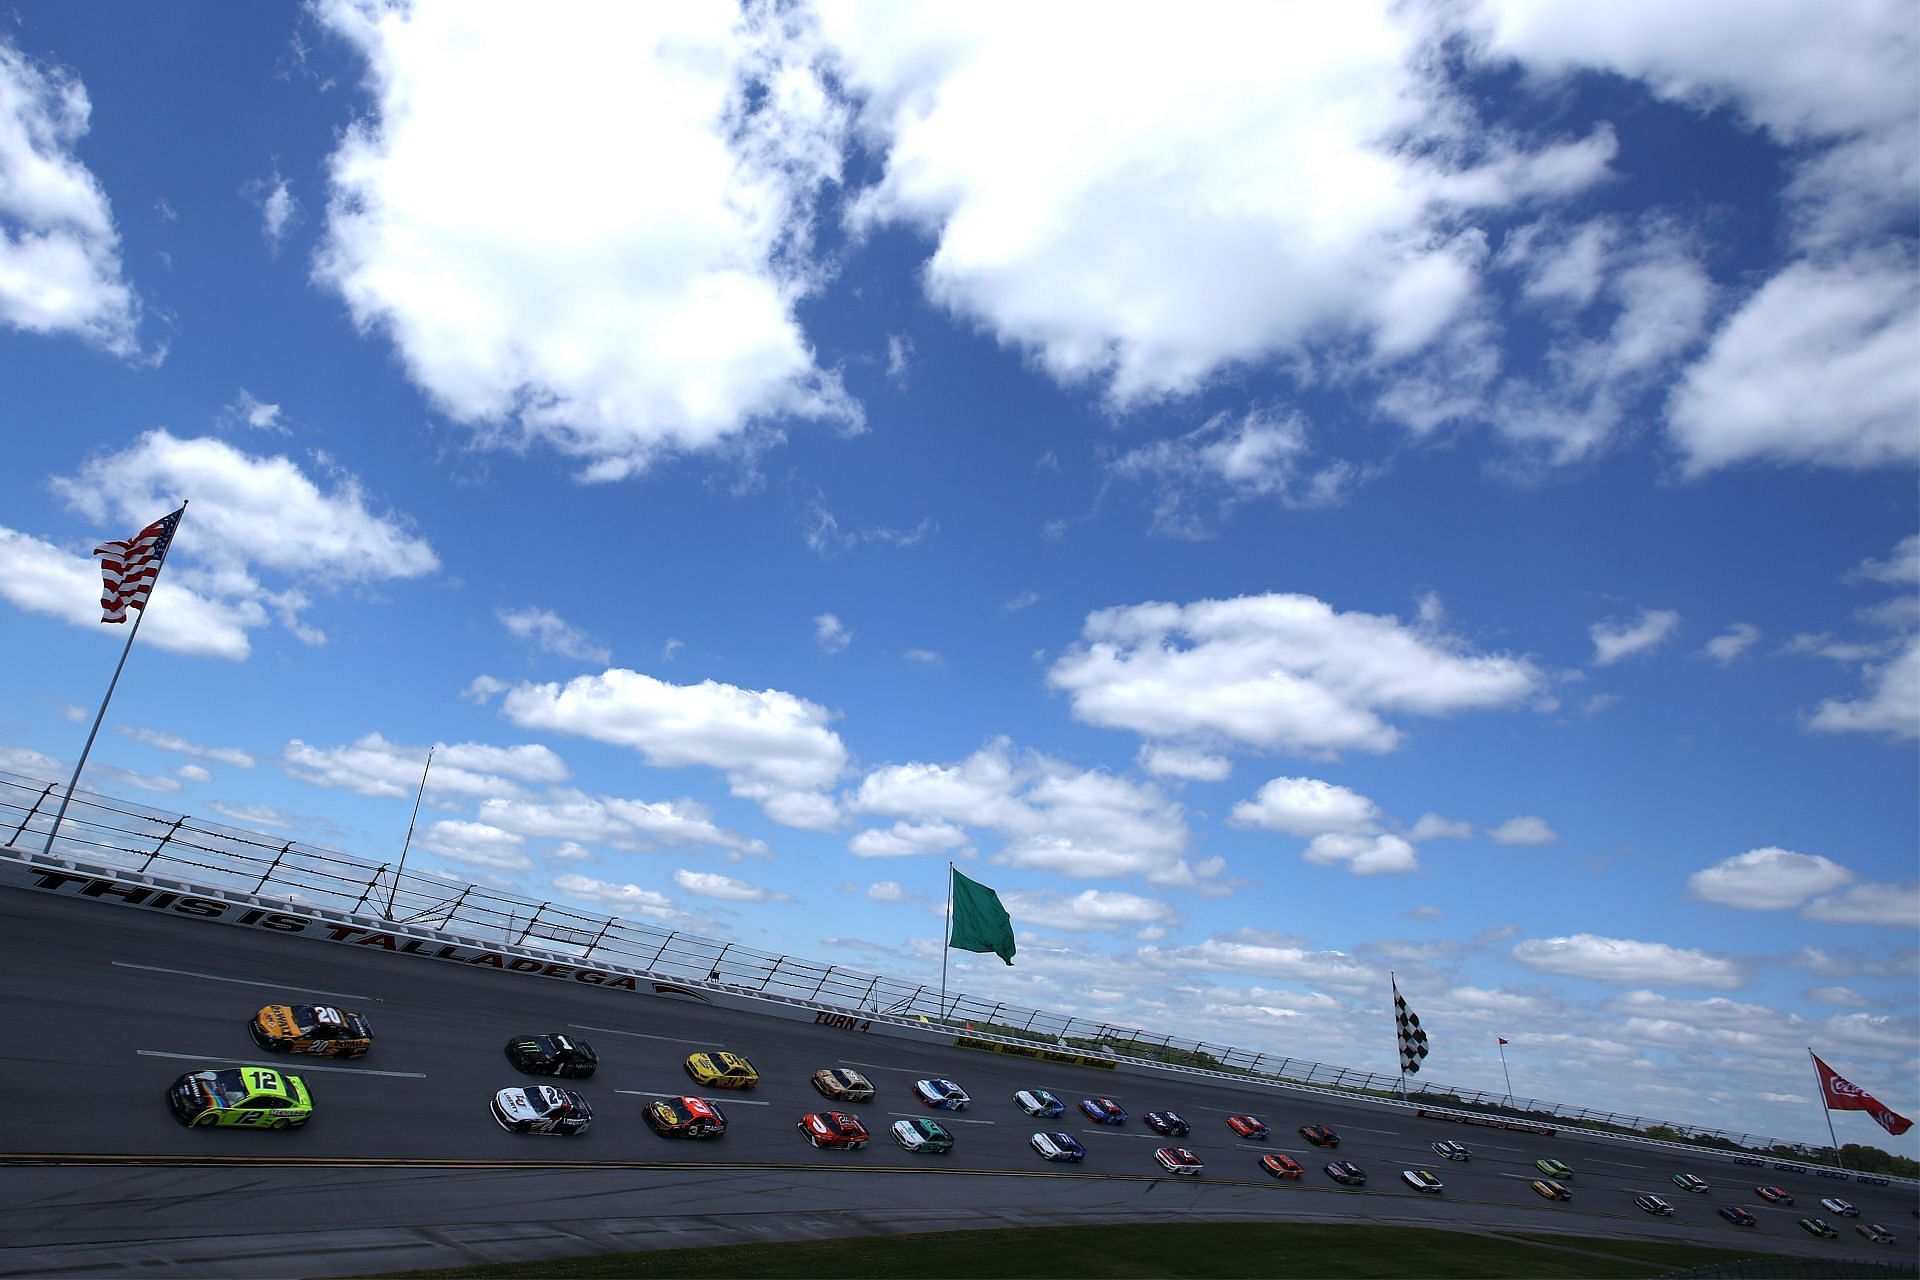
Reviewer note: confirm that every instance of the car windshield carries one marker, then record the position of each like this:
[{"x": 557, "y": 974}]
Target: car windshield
[
  {"x": 547, "y": 1101},
  {"x": 229, "y": 1086}
]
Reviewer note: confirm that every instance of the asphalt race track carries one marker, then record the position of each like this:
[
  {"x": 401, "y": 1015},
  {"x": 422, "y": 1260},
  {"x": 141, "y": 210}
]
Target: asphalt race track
[{"x": 403, "y": 1166}]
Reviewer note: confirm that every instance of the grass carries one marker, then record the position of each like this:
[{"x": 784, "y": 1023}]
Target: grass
[{"x": 1121, "y": 1252}]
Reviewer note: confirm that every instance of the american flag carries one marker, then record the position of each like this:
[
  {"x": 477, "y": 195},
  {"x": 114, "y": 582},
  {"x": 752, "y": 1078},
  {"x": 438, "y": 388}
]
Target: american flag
[
  {"x": 128, "y": 569},
  {"x": 1413, "y": 1041}
]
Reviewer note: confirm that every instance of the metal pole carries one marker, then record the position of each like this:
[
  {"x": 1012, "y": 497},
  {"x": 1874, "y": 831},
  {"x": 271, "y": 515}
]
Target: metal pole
[
  {"x": 946, "y": 940},
  {"x": 1826, "y": 1110},
  {"x": 1504, "y": 1071},
  {"x": 388, "y": 914},
  {"x": 31, "y": 813}
]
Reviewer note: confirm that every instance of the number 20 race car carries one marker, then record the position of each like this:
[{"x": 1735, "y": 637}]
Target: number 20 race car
[
  {"x": 254, "y": 1098},
  {"x": 315, "y": 1029}
]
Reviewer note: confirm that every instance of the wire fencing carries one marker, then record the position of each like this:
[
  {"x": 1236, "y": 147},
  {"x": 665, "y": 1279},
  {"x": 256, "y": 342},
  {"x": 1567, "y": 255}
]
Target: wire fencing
[{"x": 121, "y": 834}]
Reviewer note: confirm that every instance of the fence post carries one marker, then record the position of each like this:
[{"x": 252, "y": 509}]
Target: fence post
[
  {"x": 30, "y": 814},
  {"x": 662, "y": 951},
  {"x": 371, "y": 881},
  {"x": 821, "y": 985},
  {"x": 771, "y": 970},
  {"x": 264, "y": 875},
  {"x": 591, "y": 945},
  {"x": 714, "y": 975},
  {"x": 532, "y": 920},
  {"x": 163, "y": 844},
  {"x": 868, "y": 1000}
]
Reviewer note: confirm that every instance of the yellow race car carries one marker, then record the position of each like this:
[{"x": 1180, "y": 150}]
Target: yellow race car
[
  {"x": 316, "y": 1029},
  {"x": 253, "y": 1098},
  {"x": 718, "y": 1069}
]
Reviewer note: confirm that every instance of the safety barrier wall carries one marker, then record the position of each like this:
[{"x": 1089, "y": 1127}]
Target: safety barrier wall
[{"x": 115, "y": 837}]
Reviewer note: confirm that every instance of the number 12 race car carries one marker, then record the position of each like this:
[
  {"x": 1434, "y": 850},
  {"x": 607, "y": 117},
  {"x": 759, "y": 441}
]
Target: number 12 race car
[
  {"x": 254, "y": 1098},
  {"x": 316, "y": 1029}
]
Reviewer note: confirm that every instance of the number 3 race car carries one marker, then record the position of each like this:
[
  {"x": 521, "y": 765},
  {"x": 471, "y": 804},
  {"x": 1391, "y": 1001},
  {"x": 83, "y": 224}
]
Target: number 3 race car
[
  {"x": 317, "y": 1029},
  {"x": 685, "y": 1118},
  {"x": 254, "y": 1097},
  {"x": 541, "y": 1108}
]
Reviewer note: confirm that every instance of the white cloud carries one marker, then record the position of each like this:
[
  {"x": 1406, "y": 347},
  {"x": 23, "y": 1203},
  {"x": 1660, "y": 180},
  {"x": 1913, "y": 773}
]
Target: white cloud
[
  {"x": 1846, "y": 997},
  {"x": 608, "y": 257},
  {"x": 706, "y": 884},
  {"x": 548, "y": 631},
  {"x": 1768, "y": 879},
  {"x": 1732, "y": 642},
  {"x": 279, "y": 211},
  {"x": 33, "y": 764},
  {"x": 774, "y": 747},
  {"x": 1052, "y": 817},
  {"x": 1524, "y": 830},
  {"x": 1817, "y": 367},
  {"x": 1136, "y": 240},
  {"x": 1275, "y": 672},
  {"x": 180, "y": 746},
  {"x": 1025, "y": 600},
  {"x": 1181, "y": 762},
  {"x": 566, "y": 814},
  {"x": 254, "y": 413},
  {"x": 1894, "y": 905},
  {"x": 477, "y": 843},
  {"x": 194, "y": 773},
  {"x": 59, "y": 251},
  {"x": 1364, "y": 855},
  {"x": 899, "y": 350},
  {"x": 887, "y": 891},
  {"x": 830, "y": 634},
  {"x": 1088, "y": 910},
  {"x": 483, "y": 689},
  {"x": 1902, "y": 568},
  {"x": 252, "y": 815},
  {"x": 373, "y": 766},
  {"x": 623, "y": 899},
  {"x": 1434, "y": 827},
  {"x": 925, "y": 657},
  {"x": 1424, "y": 911},
  {"x": 1269, "y": 955},
  {"x": 1307, "y": 807},
  {"x": 1228, "y": 462},
  {"x": 1585, "y": 955},
  {"x": 1890, "y": 704},
  {"x": 1613, "y": 641},
  {"x": 826, "y": 538},
  {"x": 907, "y": 839}
]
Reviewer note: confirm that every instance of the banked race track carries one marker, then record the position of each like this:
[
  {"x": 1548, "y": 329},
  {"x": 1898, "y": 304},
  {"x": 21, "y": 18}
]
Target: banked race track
[{"x": 403, "y": 1167}]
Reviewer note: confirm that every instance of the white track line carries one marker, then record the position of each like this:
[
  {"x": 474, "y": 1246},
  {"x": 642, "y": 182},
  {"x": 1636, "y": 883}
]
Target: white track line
[
  {"x": 243, "y": 982},
  {"x": 641, "y": 1035},
  {"x": 277, "y": 1066},
  {"x": 911, "y": 1115},
  {"x": 674, "y": 1093}
]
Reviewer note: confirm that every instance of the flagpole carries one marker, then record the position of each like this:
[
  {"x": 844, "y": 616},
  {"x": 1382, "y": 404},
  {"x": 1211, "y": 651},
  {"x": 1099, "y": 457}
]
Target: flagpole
[
  {"x": 1398, "y": 1047},
  {"x": 54, "y": 830},
  {"x": 946, "y": 940},
  {"x": 1820, "y": 1083},
  {"x": 1503, "y": 1070},
  {"x": 409, "y": 841}
]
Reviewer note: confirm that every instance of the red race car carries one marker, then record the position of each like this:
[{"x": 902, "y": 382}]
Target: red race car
[
  {"x": 1319, "y": 1135},
  {"x": 1247, "y": 1126},
  {"x": 1282, "y": 1166},
  {"x": 1774, "y": 1195},
  {"x": 834, "y": 1129}
]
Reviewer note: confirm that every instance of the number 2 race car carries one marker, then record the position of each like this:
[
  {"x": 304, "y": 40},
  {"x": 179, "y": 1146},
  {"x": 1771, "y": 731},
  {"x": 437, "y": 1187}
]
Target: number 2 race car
[
  {"x": 253, "y": 1098},
  {"x": 316, "y": 1029},
  {"x": 541, "y": 1108}
]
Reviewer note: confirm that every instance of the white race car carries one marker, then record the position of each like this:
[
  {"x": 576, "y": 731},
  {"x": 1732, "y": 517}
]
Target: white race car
[
  {"x": 1420, "y": 1179},
  {"x": 1058, "y": 1146},
  {"x": 541, "y": 1108},
  {"x": 1448, "y": 1149},
  {"x": 1179, "y": 1160},
  {"x": 944, "y": 1094},
  {"x": 1654, "y": 1205},
  {"x": 1840, "y": 1207}
]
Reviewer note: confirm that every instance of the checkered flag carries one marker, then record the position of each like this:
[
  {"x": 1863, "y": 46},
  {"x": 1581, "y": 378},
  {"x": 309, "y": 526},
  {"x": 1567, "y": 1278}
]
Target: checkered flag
[{"x": 1413, "y": 1041}]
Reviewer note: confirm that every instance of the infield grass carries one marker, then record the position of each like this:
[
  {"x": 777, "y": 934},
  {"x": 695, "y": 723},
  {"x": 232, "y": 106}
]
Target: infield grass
[{"x": 1145, "y": 1251}]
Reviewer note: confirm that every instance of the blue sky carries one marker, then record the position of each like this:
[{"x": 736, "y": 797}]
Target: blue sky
[{"x": 1289, "y": 498}]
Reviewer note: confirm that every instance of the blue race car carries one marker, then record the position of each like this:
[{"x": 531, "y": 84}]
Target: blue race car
[
  {"x": 1038, "y": 1102},
  {"x": 1058, "y": 1146},
  {"x": 1103, "y": 1110},
  {"x": 944, "y": 1094}
]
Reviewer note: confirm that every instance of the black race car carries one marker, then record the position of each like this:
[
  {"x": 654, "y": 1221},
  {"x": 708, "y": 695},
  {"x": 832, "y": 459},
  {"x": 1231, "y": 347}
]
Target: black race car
[
  {"x": 1319, "y": 1135},
  {"x": 1169, "y": 1123},
  {"x": 552, "y": 1055},
  {"x": 1346, "y": 1173},
  {"x": 1738, "y": 1216}
]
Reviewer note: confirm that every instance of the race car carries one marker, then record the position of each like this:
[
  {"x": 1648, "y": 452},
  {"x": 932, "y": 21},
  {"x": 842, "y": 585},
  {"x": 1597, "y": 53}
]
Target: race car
[
  {"x": 1551, "y": 1190},
  {"x": 834, "y": 1130},
  {"x": 1058, "y": 1146},
  {"x": 1168, "y": 1122},
  {"x": 843, "y": 1085},
  {"x": 1448, "y": 1149},
  {"x": 1346, "y": 1173},
  {"x": 1874, "y": 1232},
  {"x": 1179, "y": 1160},
  {"x": 1818, "y": 1227},
  {"x": 1774, "y": 1195},
  {"x": 923, "y": 1135},
  {"x": 1249, "y": 1127},
  {"x": 1840, "y": 1207},
  {"x": 1103, "y": 1110},
  {"x": 1738, "y": 1216},
  {"x": 317, "y": 1029},
  {"x": 1420, "y": 1179},
  {"x": 1038, "y": 1102},
  {"x": 541, "y": 1108},
  {"x": 944, "y": 1094},
  {"x": 1281, "y": 1166},
  {"x": 685, "y": 1118},
  {"x": 1319, "y": 1135},
  {"x": 251, "y": 1097},
  {"x": 1654, "y": 1205},
  {"x": 1688, "y": 1182},
  {"x": 553, "y": 1054},
  {"x": 717, "y": 1069},
  {"x": 1553, "y": 1168}
]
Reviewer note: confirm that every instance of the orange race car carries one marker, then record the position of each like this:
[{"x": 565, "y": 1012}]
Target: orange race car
[{"x": 316, "y": 1029}]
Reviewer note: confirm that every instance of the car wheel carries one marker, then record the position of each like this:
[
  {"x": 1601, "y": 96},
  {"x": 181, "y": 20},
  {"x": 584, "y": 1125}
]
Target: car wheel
[
  {"x": 522, "y": 1126},
  {"x": 201, "y": 1122},
  {"x": 276, "y": 1124}
]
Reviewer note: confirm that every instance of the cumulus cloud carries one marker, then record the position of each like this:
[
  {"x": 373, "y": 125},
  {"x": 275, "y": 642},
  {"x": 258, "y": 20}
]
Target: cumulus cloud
[
  {"x": 180, "y": 746},
  {"x": 706, "y": 884},
  {"x": 906, "y": 839},
  {"x": 1890, "y": 704},
  {"x": 567, "y": 814},
  {"x": 1731, "y": 643},
  {"x": 1434, "y": 827},
  {"x": 1203, "y": 476},
  {"x": 1894, "y": 905},
  {"x": 254, "y": 413},
  {"x": 775, "y": 748},
  {"x": 1364, "y": 855},
  {"x": 1902, "y": 568},
  {"x": 549, "y": 632},
  {"x": 478, "y": 844},
  {"x": 1768, "y": 879},
  {"x": 1614, "y": 641},
  {"x": 60, "y": 269},
  {"x": 1089, "y": 910},
  {"x": 608, "y": 259},
  {"x": 279, "y": 211},
  {"x": 1307, "y": 807},
  {"x": 1181, "y": 762},
  {"x": 1524, "y": 830},
  {"x": 1275, "y": 672},
  {"x": 1269, "y": 955},
  {"x": 887, "y": 891},
  {"x": 1585, "y": 955},
  {"x": 373, "y": 766},
  {"x": 623, "y": 899},
  {"x": 830, "y": 634}
]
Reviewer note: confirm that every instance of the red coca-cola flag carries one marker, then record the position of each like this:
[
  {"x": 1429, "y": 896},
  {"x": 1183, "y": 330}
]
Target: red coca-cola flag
[{"x": 1842, "y": 1094}]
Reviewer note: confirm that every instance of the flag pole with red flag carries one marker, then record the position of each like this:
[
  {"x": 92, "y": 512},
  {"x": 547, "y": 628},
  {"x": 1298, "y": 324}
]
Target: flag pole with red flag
[
  {"x": 1837, "y": 1093},
  {"x": 128, "y": 571}
]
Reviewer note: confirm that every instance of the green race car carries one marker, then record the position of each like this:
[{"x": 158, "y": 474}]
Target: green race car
[
  {"x": 1553, "y": 1168},
  {"x": 923, "y": 1135},
  {"x": 250, "y": 1097}
]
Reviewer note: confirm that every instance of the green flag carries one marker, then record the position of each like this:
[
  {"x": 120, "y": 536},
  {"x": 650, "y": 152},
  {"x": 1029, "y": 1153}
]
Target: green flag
[{"x": 980, "y": 923}]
